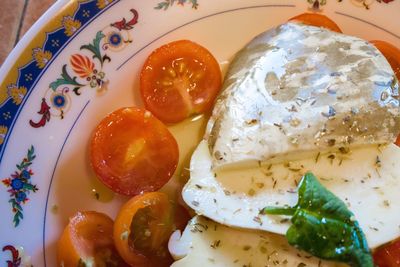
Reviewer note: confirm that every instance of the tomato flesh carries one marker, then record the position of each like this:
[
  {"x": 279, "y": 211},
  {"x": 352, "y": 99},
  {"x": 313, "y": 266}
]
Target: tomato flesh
[
  {"x": 149, "y": 231},
  {"x": 388, "y": 255},
  {"x": 88, "y": 239},
  {"x": 317, "y": 20},
  {"x": 178, "y": 80},
  {"x": 142, "y": 230},
  {"x": 133, "y": 152}
]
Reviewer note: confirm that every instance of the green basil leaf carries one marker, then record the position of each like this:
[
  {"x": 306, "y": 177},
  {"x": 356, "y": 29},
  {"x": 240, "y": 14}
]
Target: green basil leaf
[{"x": 323, "y": 225}]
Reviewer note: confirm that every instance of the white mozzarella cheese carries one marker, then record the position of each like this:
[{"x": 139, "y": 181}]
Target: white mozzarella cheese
[
  {"x": 207, "y": 243},
  {"x": 298, "y": 88},
  {"x": 367, "y": 179}
]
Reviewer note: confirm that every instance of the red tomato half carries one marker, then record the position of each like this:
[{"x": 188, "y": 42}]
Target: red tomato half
[
  {"x": 178, "y": 80},
  {"x": 143, "y": 227},
  {"x": 88, "y": 241},
  {"x": 397, "y": 142},
  {"x": 318, "y": 20},
  {"x": 388, "y": 255},
  {"x": 133, "y": 152}
]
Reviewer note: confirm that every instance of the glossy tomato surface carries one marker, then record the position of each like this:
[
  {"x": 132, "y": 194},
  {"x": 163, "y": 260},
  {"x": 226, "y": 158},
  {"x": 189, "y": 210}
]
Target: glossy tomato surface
[
  {"x": 143, "y": 227},
  {"x": 318, "y": 20},
  {"x": 133, "y": 152},
  {"x": 388, "y": 255},
  {"x": 88, "y": 241},
  {"x": 178, "y": 80}
]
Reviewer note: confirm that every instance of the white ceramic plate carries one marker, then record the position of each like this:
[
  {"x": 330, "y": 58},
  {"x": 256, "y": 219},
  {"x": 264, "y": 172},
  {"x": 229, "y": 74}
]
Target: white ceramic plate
[{"x": 49, "y": 108}]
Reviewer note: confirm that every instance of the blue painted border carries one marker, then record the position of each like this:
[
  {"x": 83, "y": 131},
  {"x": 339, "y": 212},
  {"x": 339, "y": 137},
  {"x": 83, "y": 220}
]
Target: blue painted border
[{"x": 31, "y": 67}]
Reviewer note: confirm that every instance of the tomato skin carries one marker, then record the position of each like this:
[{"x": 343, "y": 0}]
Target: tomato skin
[
  {"x": 388, "y": 255},
  {"x": 391, "y": 53},
  {"x": 317, "y": 20},
  {"x": 181, "y": 217},
  {"x": 163, "y": 215},
  {"x": 397, "y": 142},
  {"x": 87, "y": 235},
  {"x": 178, "y": 80},
  {"x": 133, "y": 152}
]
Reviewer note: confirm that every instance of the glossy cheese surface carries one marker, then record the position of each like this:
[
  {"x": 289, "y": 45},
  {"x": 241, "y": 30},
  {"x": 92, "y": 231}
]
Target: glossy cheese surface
[
  {"x": 211, "y": 244},
  {"x": 366, "y": 179},
  {"x": 299, "y": 89}
]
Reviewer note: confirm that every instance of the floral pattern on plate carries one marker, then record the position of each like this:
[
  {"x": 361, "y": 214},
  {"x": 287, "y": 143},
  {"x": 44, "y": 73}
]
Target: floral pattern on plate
[
  {"x": 168, "y": 3},
  {"x": 316, "y": 4},
  {"x": 12, "y": 99},
  {"x": 20, "y": 185},
  {"x": 89, "y": 58},
  {"x": 88, "y": 69},
  {"x": 15, "y": 258}
]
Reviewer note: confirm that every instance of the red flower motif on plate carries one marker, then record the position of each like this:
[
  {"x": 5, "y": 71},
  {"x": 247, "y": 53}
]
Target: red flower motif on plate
[{"x": 82, "y": 65}]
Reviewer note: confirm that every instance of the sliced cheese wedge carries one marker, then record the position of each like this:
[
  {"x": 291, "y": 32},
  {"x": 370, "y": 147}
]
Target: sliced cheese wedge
[
  {"x": 207, "y": 243},
  {"x": 367, "y": 179},
  {"x": 299, "y": 89}
]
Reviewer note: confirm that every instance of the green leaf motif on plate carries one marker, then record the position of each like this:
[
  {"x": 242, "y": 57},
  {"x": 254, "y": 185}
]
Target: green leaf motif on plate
[
  {"x": 84, "y": 68},
  {"x": 316, "y": 4},
  {"x": 168, "y": 3},
  {"x": 65, "y": 79},
  {"x": 95, "y": 48}
]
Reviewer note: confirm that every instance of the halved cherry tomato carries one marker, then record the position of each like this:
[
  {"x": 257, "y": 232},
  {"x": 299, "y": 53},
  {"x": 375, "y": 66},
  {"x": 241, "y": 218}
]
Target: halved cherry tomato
[
  {"x": 388, "y": 255},
  {"x": 88, "y": 241},
  {"x": 391, "y": 53},
  {"x": 178, "y": 80},
  {"x": 181, "y": 217},
  {"x": 142, "y": 230},
  {"x": 133, "y": 152},
  {"x": 318, "y": 20},
  {"x": 397, "y": 142}
]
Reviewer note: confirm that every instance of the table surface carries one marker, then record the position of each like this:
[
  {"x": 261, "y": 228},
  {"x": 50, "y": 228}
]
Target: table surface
[{"x": 16, "y": 17}]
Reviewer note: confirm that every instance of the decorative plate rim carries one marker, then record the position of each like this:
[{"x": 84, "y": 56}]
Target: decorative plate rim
[
  {"x": 45, "y": 20},
  {"x": 21, "y": 56},
  {"x": 34, "y": 55}
]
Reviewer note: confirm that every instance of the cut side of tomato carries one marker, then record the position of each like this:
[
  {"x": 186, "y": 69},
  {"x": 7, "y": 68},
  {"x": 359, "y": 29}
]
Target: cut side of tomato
[
  {"x": 88, "y": 241},
  {"x": 142, "y": 230},
  {"x": 391, "y": 53},
  {"x": 317, "y": 20},
  {"x": 388, "y": 255},
  {"x": 178, "y": 80},
  {"x": 133, "y": 152}
]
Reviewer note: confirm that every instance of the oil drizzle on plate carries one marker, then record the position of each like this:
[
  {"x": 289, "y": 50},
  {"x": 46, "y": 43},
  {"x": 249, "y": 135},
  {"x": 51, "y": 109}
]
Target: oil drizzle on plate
[
  {"x": 100, "y": 192},
  {"x": 188, "y": 134}
]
